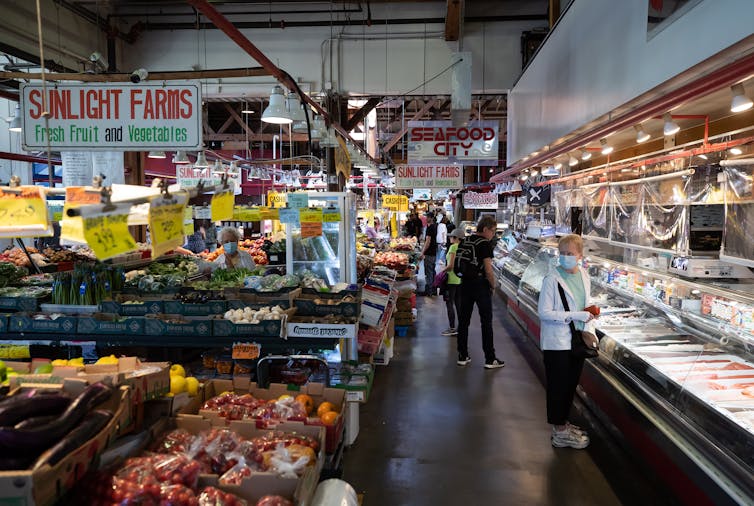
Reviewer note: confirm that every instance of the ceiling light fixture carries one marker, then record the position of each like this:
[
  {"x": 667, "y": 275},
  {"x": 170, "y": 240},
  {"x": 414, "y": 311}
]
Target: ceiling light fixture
[
  {"x": 572, "y": 161},
  {"x": 550, "y": 170},
  {"x": 293, "y": 104},
  {"x": 703, "y": 157},
  {"x": 15, "y": 122},
  {"x": 736, "y": 151},
  {"x": 586, "y": 154},
  {"x": 180, "y": 158},
  {"x": 670, "y": 127},
  {"x": 276, "y": 112},
  {"x": 201, "y": 160},
  {"x": 641, "y": 135},
  {"x": 740, "y": 102},
  {"x": 606, "y": 148},
  {"x": 156, "y": 154}
]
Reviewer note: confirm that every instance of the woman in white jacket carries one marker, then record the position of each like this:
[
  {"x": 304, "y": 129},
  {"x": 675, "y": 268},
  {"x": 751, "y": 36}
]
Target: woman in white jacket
[{"x": 561, "y": 368}]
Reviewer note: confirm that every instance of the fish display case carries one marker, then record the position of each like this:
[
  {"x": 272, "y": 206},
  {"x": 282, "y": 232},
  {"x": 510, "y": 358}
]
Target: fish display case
[{"x": 515, "y": 264}]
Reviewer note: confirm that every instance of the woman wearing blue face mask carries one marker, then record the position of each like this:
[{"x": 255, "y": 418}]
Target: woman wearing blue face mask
[
  {"x": 561, "y": 368},
  {"x": 232, "y": 257}
]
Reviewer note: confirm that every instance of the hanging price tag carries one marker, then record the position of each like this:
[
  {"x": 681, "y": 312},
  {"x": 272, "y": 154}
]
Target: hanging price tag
[
  {"x": 246, "y": 214},
  {"x": 222, "y": 206},
  {"x": 81, "y": 195},
  {"x": 166, "y": 223},
  {"x": 311, "y": 229},
  {"x": 310, "y": 215},
  {"x": 246, "y": 351},
  {"x": 267, "y": 213},
  {"x": 276, "y": 199},
  {"x": 298, "y": 200},
  {"x": 188, "y": 220},
  {"x": 106, "y": 232},
  {"x": 395, "y": 202},
  {"x": 23, "y": 212},
  {"x": 331, "y": 215},
  {"x": 289, "y": 216}
]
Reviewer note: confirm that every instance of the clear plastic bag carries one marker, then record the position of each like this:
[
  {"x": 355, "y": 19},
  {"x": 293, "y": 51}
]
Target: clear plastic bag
[{"x": 212, "y": 496}]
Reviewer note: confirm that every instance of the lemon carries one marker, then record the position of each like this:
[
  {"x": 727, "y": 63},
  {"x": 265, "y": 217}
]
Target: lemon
[
  {"x": 192, "y": 386},
  {"x": 76, "y": 362},
  {"x": 110, "y": 360},
  {"x": 285, "y": 397},
  {"x": 177, "y": 370},
  {"x": 177, "y": 384},
  {"x": 60, "y": 362}
]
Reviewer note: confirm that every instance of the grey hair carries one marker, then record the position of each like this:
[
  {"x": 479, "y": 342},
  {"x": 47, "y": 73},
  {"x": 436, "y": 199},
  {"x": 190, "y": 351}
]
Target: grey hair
[{"x": 230, "y": 230}]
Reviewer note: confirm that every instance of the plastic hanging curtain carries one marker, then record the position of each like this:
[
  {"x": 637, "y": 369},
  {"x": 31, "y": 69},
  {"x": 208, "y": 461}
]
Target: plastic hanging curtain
[
  {"x": 626, "y": 200},
  {"x": 662, "y": 221},
  {"x": 563, "y": 201},
  {"x": 738, "y": 236},
  {"x": 596, "y": 212}
]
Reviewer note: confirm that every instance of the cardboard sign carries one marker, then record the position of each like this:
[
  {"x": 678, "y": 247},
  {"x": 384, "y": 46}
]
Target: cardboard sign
[
  {"x": 310, "y": 215},
  {"x": 331, "y": 215},
  {"x": 289, "y": 216},
  {"x": 311, "y": 229},
  {"x": 166, "y": 223},
  {"x": 222, "y": 206},
  {"x": 298, "y": 200},
  {"x": 246, "y": 351},
  {"x": 23, "y": 213},
  {"x": 106, "y": 232},
  {"x": 267, "y": 213},
  {"x": 276, "y": 199},
  {"x": 112, "y": 117},
  {"x": 395, "y": 202}
]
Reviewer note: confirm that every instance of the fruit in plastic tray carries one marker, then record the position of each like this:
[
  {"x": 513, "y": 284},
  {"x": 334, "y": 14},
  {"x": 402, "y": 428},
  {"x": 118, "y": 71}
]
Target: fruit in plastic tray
[
  {"x": 176, "y": 441},
  {"x": 212, "y": 496}
]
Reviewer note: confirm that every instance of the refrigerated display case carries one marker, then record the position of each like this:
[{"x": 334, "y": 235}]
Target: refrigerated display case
[
  {"x": 331, "y": 256},
  {"x": 676, "y": 353},
  {"x": 515, "y": 264}
]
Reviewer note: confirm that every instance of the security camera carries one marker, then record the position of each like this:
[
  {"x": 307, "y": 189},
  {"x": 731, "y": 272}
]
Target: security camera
[{"x": 139, "y": 75}]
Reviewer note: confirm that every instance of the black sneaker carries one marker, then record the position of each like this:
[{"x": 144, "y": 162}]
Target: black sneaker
[
  {"x": 463, "y": 360},
  {"x": 495, "y": 363}
]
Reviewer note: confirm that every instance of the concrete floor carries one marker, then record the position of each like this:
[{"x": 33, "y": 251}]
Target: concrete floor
[{"x": 434, "y": 433}]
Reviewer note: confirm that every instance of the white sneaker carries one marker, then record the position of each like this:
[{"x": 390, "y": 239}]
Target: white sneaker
[
  {"x": 576, "y": 429},
  {"x": 450, "y": 331},
  {"x": 567, "y": 439}
]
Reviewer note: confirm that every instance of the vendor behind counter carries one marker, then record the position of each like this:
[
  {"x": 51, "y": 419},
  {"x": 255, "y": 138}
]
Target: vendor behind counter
[{"x": 233, "y": 257}]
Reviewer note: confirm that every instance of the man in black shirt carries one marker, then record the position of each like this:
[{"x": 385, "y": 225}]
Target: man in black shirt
[
  {"x": 477, "y": 286},
  {"x": 429, "y": 254}
]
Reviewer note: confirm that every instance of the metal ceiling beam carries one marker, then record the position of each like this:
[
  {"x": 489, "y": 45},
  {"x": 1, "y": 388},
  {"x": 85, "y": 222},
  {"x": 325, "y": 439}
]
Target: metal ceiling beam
[
  {"x": 97, "y": 20},
  {"x": 33, "y": 58},
  {"x": 359, "y": 115},
  {"x": 398, "y": 136}
]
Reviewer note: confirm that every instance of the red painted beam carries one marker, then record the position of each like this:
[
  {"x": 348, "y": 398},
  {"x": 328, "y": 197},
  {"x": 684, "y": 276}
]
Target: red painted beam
[
  {"x": 4, "y": 155},
  {"x": 9, "y": 95}
]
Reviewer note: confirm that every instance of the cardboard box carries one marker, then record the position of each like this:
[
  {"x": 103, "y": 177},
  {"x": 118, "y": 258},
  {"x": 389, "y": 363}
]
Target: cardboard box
[
  {"x": 317, "y": 391},
  {"x": 157, "y": 325},
  {"x": 332, "y": 295},
  {"x": 101, "y": 323},
  {"x": 306, "y": 306},
  {"x": 20, "y": 303},
  {"x": 257, "y": 301},
  {"x": 48, "y": 484},
  {"x": 3, "y": 323},
  {"x": 119, "y": 306},
  {"x": 209, "y": 308},
  {"x": 259, "y": 484},
  {"x": 25, "y": 322},
  {"x": 302, "y": 327},
  {"x": 265, "y": 328}
]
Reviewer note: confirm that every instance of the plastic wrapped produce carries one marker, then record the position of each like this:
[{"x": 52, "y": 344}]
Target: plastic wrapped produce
[{"x": 212, "y": 496}]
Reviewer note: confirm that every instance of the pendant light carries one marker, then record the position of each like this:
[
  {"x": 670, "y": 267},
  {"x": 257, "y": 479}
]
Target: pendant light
[
  {"x": 572, "y": 160},
  {"x": 219, "y": 166},
  {"x": 318, "y": 127},
  {"x": 586, "y": 154},
  {"x": 740, "y": 102},
  {"x": 15, "y": 122},
  {"x": 606, "y": 148},
  {"x": 276, "y": 112},
  {"x": 670, "y": 127},
  {"x": 201, "y": 160},
  {"x": 641, "y": 135},
  {"x": 156, "y": 154},
  {"x": 293, "y": 104},
  {"x": 180, "y": 158}
]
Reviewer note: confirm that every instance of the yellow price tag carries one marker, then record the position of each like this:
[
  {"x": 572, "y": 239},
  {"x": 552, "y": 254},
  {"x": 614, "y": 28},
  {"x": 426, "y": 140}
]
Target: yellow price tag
[
  {"x": 222, "y": 206},
  {"x": 310, "y": 215},
  {"x": 245, "y": 351},
  {"x": 276, "y": 199},
  {"x": 246, "y": 214},
  {"x": 23, "y": 208},
  {"x": 331, "y": 215},
  {"x": 166, "y": 224},
  {"x": 72, "y": 227},
  {"x": 107, "y": 233},
  {"x": 269, "y": 213},
  {"x": 188, "y": 220}
]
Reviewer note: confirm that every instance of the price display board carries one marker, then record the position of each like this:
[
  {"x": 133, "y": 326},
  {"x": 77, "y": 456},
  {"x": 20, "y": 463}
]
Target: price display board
[
  {"x": 246, "y": 351},
  {"x": 289, "y": 216},
  {"x": 106, "y": 231},
  {"x": 311, "y": 222},
  {"x": 298, "y": 200},
  {"x": 166, "y": 222},
  {"x": 268, "y": 213},
  {"x": 23, "y": 212},
  {"x": 331, "y": 215}
]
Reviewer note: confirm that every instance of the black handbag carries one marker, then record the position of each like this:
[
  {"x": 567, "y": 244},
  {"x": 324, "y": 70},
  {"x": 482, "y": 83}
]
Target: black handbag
[{"x": 583, "y": 344}]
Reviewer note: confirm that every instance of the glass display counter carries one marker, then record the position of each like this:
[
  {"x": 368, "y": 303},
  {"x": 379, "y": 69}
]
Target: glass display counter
[{"x": 515, "y": 264}]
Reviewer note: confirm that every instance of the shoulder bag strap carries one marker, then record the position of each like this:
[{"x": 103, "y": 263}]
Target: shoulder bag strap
[{"x": 565, "y": 305}]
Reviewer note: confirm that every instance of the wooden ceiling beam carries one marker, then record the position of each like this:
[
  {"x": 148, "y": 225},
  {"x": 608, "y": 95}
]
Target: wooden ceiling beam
[
  {"x": 359, "y": 115},
  {"x": 399, "y": 135},
  {"x": 453, "y": 19}
]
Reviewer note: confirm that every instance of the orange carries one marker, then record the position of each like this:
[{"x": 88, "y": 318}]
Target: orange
[
  {"x": 324, "y": 408},
  {"x": 306, "y": 401},
  {"x": 329, "y": 417}
]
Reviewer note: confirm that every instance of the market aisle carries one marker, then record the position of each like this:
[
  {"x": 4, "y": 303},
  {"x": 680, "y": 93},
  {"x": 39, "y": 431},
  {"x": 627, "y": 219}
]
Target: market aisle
[{"x": 434, "y": 433}]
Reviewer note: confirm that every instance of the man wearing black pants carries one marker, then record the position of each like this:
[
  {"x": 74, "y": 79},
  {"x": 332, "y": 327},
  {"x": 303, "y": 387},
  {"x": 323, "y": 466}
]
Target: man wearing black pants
[
  {"x": 477, "y": 287},
  {"x": 429, "y": 254}
]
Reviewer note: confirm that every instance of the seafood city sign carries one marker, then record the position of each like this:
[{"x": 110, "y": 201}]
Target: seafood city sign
[
  {"x": 111, "y": 117},
  {"x": 439, "y": 142}
]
